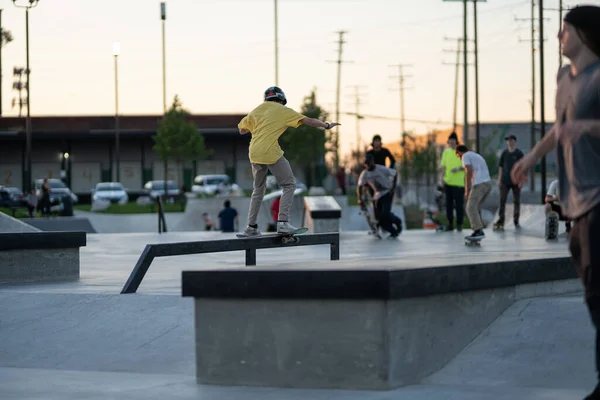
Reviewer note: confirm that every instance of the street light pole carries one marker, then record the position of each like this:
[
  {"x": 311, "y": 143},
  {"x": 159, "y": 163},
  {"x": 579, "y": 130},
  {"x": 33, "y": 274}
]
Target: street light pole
[
  {"x": 27, "y": 172},
  {"x": 116, "y": 50},
  {"x": 276, "y": 47}
]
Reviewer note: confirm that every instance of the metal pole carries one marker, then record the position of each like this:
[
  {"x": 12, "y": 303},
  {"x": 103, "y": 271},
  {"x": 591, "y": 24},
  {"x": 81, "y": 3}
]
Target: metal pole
[
  {"x": 164, "y": 77},
  {"x": 477, "y": 136},
  {"x": 1, "y": 48},
  {"x": 117, "y": 129},
  {"x": 560, "y": 17},
  {"x": 466, "y": 75},
  {"x": 456, "y": 86},
  {"x": 28, "y": 121},
  {"x": 276, "y": 48},
  {"x": 532, "y": 134},
  {"x": 542, "y": 116},
  {"x": 402, "y": 120}
]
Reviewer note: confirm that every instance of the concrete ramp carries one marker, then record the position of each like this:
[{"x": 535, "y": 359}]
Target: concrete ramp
[
  {"x": 192, "y": 220},
  {"x": 532, "y": 220},
  {"x": 10, "y": 224},
  {"x": 61, "y": 224}
]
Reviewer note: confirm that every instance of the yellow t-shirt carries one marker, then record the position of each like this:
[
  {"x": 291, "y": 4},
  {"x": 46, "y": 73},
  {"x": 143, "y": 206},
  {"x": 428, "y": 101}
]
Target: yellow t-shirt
[
  {"x": 450, "y": 160},
  {"x": 267, "y": 122}
]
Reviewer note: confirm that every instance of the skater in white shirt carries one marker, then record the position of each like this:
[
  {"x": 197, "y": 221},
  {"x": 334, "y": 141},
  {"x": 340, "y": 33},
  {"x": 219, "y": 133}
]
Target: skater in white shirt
[{"x": 478, "y": 185}]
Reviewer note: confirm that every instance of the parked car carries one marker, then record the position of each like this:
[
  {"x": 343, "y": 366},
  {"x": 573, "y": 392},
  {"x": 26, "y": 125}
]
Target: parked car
[
  {"x": 213, "y": 184},
  {"x": 113, "y": 192},
  {"x": 272, "y": 184},
  {"x": 157, "y": 188},
  {"x": 8, "y": 200},
  {"x": 57, "y": 190},
  {"x": 17, "y": 195}
]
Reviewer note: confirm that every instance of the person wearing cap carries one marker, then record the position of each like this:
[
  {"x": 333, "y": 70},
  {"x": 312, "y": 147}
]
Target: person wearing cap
[
  {"x": 380, "y": 153},
  {"x": 453, "y": 179},
  {"x": 508, "y": 159},
  {"x": 576, "y": 138},
  {"x": 382, "y": 182}
]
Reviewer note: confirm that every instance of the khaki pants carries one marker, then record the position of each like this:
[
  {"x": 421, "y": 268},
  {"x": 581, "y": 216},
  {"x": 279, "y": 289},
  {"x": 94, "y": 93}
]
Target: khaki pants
[
  {"x": 477, "y": 196},
  {"x": 285, "y": 178}
]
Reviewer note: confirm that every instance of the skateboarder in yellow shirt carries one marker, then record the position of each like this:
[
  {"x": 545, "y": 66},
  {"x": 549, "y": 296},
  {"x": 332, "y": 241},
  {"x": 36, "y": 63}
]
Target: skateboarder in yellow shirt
[{"x": 266, "y": 123}]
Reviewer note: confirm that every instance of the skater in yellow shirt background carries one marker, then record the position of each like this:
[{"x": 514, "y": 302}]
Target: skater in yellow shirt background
[{"x": 266, "y": 123}]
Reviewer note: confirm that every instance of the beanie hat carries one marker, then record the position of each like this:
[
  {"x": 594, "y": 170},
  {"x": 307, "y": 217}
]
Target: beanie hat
[{"x": 586, "y": 20}]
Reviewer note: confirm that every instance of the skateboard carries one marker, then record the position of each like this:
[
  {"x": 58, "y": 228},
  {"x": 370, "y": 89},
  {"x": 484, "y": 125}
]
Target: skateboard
[
  {"x": 552, "y": 226},
  {"x": 285, "y": 237},
  {"x": 370, "y": 217},
  {"x": 498, "y": 227},
  {"x": 472, "y": 242}
]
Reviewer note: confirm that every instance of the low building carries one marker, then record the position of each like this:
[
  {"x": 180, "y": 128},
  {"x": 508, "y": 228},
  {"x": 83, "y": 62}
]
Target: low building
[{"x": 90, "y": 141}]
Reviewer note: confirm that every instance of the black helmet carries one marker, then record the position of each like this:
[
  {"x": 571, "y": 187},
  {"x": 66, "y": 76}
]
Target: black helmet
[{"x": 275, "y": 93}]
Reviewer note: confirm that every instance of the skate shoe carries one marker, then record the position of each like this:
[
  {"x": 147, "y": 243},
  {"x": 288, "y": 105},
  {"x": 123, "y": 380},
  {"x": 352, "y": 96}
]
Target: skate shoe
[
  {"x": 251, "y": 231},
  {"x": 285, "y": 227},
  {"x": 478, "y": 234}
]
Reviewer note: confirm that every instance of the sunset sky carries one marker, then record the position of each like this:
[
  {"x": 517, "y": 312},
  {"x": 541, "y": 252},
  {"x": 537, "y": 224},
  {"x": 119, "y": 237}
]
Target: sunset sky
[{"x": 220, "y": 57}]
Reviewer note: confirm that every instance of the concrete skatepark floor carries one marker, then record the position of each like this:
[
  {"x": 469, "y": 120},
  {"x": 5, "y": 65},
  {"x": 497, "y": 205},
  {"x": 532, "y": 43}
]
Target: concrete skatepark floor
[{"x": 84, "y": 340}]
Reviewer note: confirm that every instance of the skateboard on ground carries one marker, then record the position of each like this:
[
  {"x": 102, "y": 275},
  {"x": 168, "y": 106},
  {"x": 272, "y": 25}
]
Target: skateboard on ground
[
  {"x": 285, "y": 237},
  {"x": 472, "y": 242},
  {"x": 370, "y": 217},
  {"x": 552, "y": 225}
]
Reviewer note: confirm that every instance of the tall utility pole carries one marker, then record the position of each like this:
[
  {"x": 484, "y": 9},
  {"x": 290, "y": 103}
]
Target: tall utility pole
[
  {"x": 475, "y": 36},
  {"x": 465, "y": 74},
  {"x": 336, "y": 136},
  {"x": 457, "y": 66},
  {"x": 533, "y": 89},
  {"x": 1, "y": 48},
  {"x": 401, "y": 79},
  {"x": 163, "y": 17},
  {"x": 276, "y": 48},
  {"x": 542, "y": 115},
  {"x": 456, "y": 77},
  {"x": 358, "y": 115},
  {"x": 560, "y": 17}
]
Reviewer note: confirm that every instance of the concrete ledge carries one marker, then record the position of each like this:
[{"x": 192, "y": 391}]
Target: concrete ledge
[
  {"x": 40, "y": 256},
  {"x": 352, "y": 328},
  {"x": 349, "y": 280},
  {"x": 322, "y": 214}
]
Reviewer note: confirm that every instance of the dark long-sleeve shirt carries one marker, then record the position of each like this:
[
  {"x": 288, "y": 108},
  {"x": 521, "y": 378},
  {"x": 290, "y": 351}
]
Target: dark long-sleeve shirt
[{"x": 381, "y": 155}]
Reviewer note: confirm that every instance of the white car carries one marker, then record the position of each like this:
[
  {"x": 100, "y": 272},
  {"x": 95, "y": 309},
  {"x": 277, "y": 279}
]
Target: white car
[
  {"x": 157, "y": 188},
  {"x": 114, "y": 192},
  {"x": 213, "y": 184}
]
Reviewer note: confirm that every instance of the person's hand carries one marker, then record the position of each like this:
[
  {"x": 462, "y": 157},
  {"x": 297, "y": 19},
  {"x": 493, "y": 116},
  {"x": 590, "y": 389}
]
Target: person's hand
[
  {"x": 570, "y": 132},
  {"x": 331, "y": 125},
  {"x": 518, "y": 174},
  {"x": 455, "y": 169},
  {"x": 466, "y": 195},
  {"x": 361, "y": 205}
]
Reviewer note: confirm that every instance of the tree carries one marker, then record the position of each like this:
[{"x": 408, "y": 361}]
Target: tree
[
  {"x": 305, "y": 145},
  {"x": 178, "y": 139}
]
